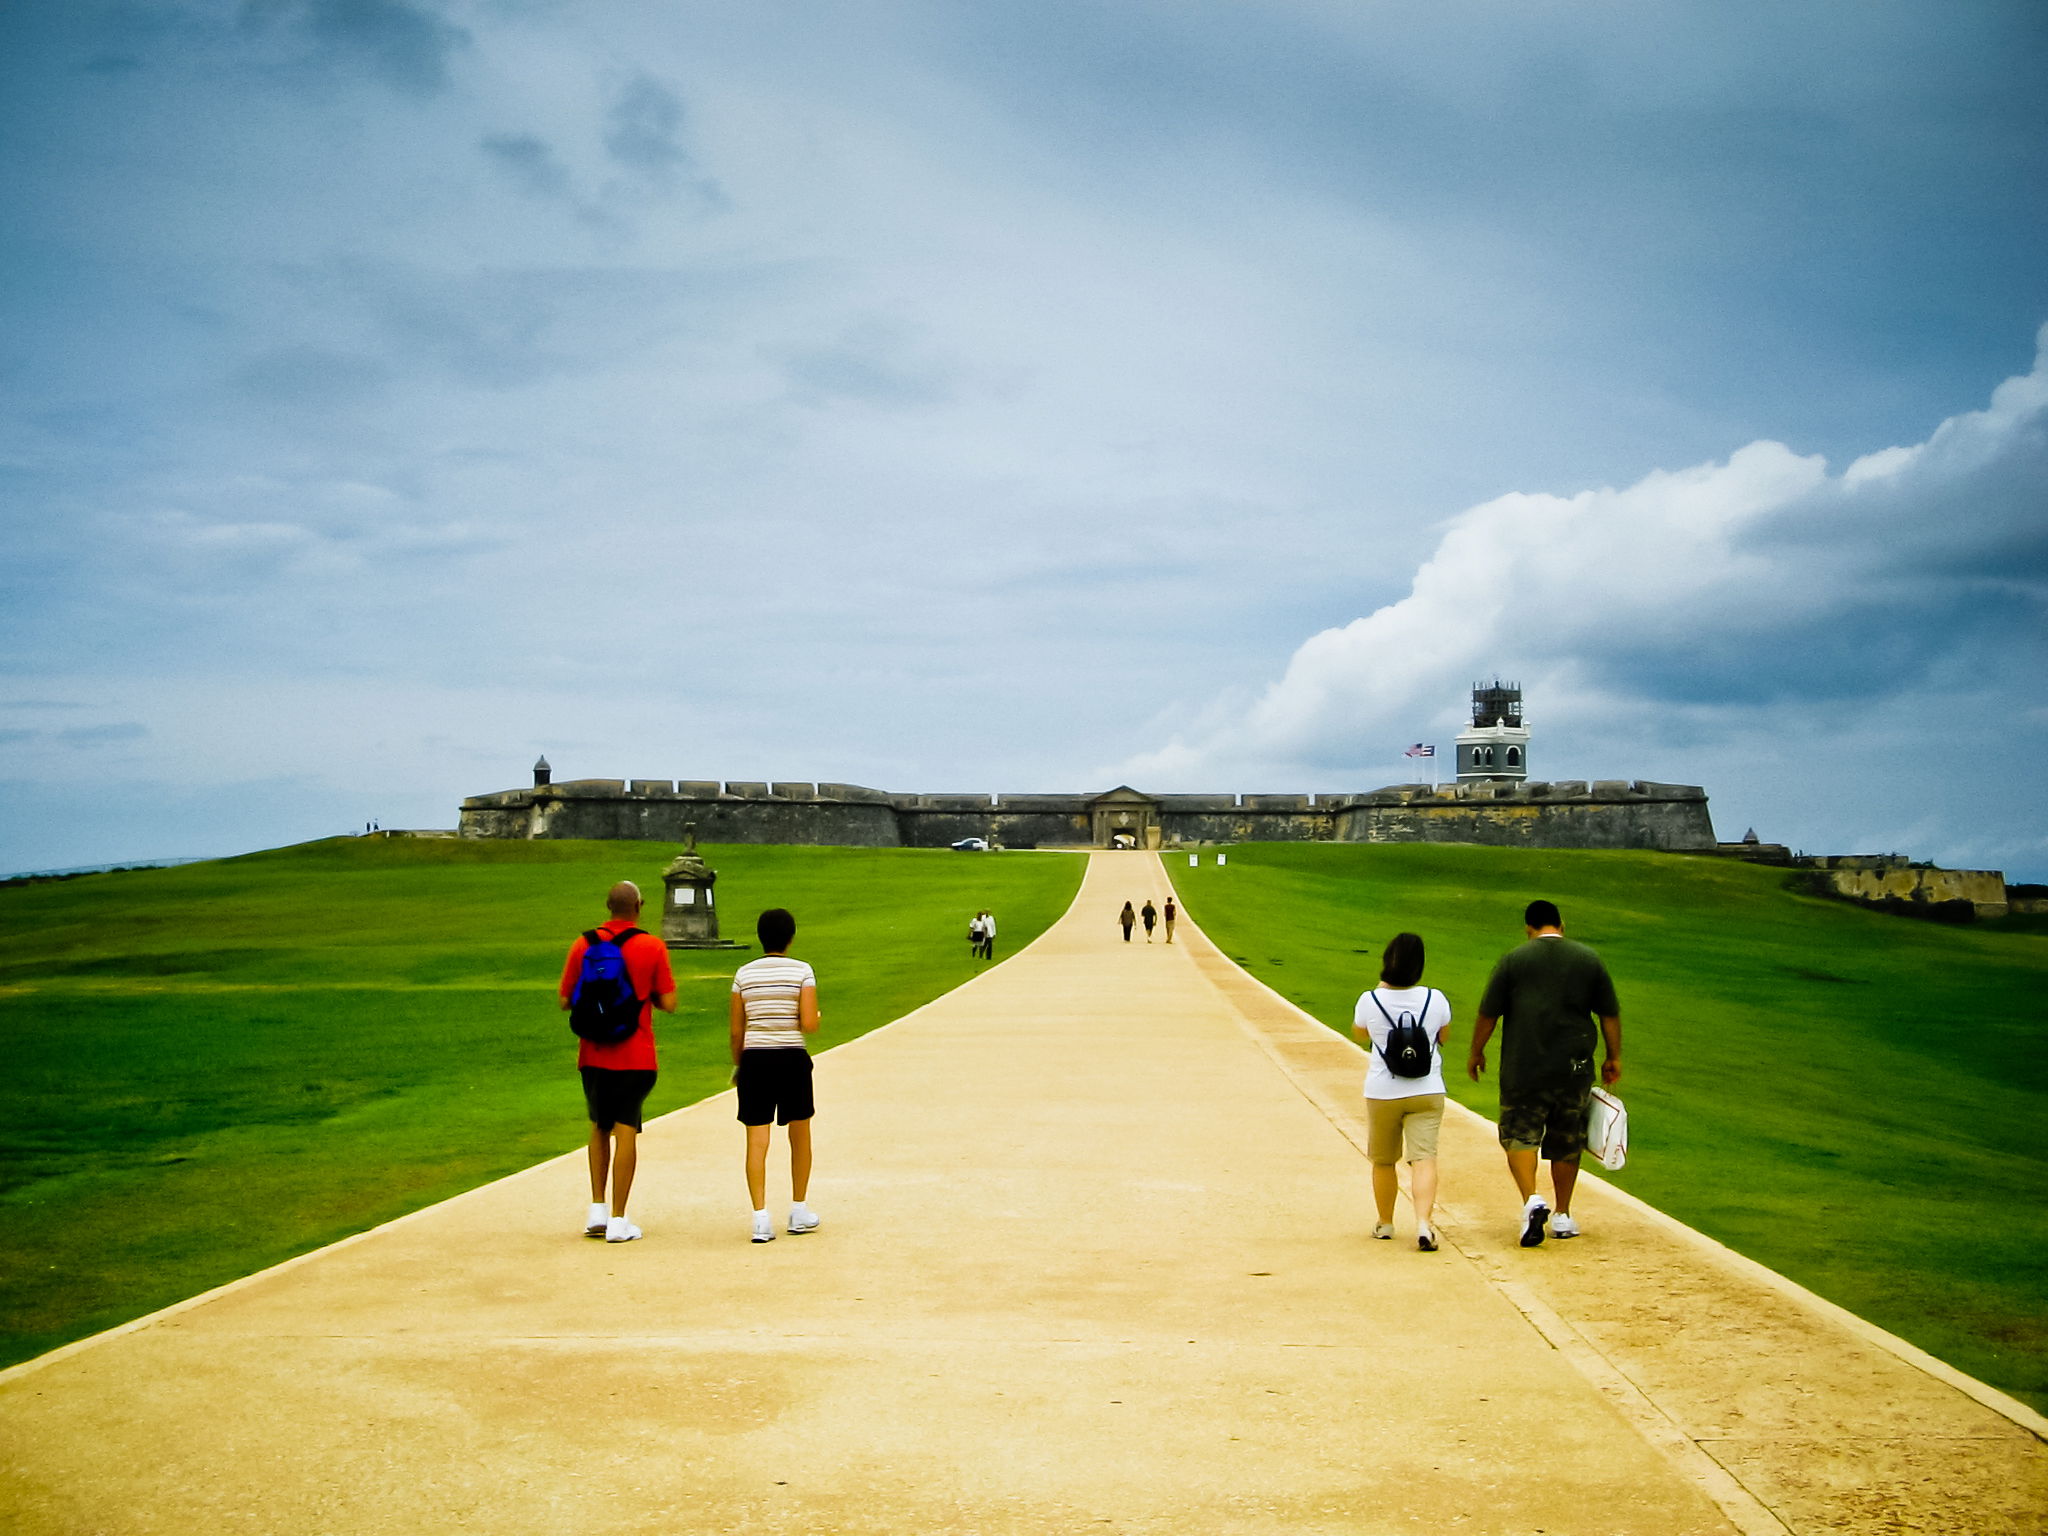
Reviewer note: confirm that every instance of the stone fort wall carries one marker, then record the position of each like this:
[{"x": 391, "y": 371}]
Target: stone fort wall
[{"x": 1610, "y": 813}]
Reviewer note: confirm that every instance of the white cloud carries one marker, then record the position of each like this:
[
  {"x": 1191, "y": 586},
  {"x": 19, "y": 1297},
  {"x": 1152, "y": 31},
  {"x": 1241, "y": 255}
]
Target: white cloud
[
  {"x": 1060, "y": 362},
  {"x": 1875, "y": 618}
]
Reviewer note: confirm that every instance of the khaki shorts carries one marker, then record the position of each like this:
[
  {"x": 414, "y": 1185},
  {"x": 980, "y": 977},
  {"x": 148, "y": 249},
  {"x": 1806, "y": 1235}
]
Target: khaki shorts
[{"x": 1389, "y": 1121}]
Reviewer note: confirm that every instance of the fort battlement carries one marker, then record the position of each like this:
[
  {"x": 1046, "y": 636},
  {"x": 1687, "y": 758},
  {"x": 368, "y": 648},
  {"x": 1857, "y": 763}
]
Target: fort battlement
[{"x": 1607, "y": 813}]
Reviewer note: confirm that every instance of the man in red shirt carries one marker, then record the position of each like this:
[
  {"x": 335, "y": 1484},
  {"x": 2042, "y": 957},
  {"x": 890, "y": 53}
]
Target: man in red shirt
[{"x": 617, "y": 1078}]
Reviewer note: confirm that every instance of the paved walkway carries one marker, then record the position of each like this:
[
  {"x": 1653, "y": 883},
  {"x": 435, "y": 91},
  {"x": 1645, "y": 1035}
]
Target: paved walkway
[{"x": 1094, "y": 1256}]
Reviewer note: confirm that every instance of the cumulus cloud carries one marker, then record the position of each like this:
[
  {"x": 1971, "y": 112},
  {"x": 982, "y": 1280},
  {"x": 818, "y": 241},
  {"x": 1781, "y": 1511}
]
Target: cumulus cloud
[
  {"x": 1762, "y": 580},
  {"x": 1065, "y": 358}
]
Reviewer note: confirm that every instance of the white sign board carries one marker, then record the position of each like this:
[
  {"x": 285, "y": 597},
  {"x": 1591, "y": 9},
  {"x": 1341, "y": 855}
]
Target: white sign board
[
  {"x": 686, "y": 895},
  {"x": 1222, "y": 859},
  {"x": 1193, "y": 860}
]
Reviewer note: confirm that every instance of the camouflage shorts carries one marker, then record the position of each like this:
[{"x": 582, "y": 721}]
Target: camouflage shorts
[{"x": 1550, "y": 1121}]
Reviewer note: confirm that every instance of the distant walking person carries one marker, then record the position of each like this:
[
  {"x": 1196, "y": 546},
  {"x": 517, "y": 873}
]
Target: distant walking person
[
  {"x": 774, "y": 1005},
  {"x": 1151, "y": 916},
  {"x": 1402, "y": 1026},
  {"x": 988, "y": 934},
  {"x": 976, "y": 931},
  {"x": 1171, "y": 913},
  {"x": 1127, "y": 917},
  {"x": 1546, "y": 995},
  {"x": 615, "y": 977}
]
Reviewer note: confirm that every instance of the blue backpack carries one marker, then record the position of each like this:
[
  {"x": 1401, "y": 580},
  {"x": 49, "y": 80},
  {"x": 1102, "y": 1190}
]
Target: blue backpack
[{"x": 604, "y": 1009}]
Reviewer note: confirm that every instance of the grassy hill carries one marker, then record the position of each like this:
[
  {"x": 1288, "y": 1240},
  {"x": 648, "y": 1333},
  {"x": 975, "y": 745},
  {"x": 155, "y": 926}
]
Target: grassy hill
[
  {"x": 214, "y": 1067},
  {"x": 1853, "y": 1099}
]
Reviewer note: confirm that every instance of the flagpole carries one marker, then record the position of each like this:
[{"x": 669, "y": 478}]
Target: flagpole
[{"x": 1422, "y": 749}]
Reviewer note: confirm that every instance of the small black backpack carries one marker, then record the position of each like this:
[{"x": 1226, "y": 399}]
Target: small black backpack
[
  {"x": 1409, "y": 1052},
  {"x": 604, "y": 1009}
]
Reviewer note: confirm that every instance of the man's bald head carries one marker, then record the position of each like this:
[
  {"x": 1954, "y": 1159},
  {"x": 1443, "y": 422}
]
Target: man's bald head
[{"x": 623, "y": 900}]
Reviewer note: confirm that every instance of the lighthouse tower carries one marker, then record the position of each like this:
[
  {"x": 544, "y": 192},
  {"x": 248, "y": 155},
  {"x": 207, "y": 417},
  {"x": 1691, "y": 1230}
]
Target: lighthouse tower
[{"x": 1496, "y": 744}]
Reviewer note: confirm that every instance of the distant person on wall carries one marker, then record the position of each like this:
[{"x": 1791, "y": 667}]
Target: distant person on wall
[
  {"x": 1546, "y": 996},
  {"x": 1402, "y": 1026},
  {"x": 1128, "y": 917},
  {"x": 615, "y": 977},
  {"x": 1151, "y": 916},
  {"x": 774, "y": 1005},
  {"x": 988, "y": 934},
  {"x": 1171, "y": 913}
]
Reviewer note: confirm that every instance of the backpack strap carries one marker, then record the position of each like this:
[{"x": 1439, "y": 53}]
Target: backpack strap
[
  {"x": 591, "y": 936},
  {"x": 1374, "y": 994}
]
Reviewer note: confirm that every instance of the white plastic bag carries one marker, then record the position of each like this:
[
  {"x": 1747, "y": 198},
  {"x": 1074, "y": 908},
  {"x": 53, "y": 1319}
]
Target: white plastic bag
[{"x": 1607, "y": 1130}]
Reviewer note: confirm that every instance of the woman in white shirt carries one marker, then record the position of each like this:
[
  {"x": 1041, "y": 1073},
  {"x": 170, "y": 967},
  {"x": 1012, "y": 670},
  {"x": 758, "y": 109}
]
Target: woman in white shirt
[{"x": 1402, "y": 1025}]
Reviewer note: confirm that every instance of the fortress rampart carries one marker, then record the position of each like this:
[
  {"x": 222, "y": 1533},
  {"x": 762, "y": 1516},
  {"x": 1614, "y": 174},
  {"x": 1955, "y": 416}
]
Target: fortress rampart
[{"x": 1607, "y": 813}]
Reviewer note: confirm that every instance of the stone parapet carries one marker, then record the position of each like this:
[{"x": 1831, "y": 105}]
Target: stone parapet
[
  {"x": 1196, "y": 804},
  {"x": 1610, "y": 813},
  {"x": 1055, "y": 805},
  {"x": 856, "y": 794},
  {"x": 1896, "y": 884}
]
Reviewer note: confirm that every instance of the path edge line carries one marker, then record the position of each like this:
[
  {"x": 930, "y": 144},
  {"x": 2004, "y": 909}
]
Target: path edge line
[
  {"x": 1691, "y": 1461},
  {"x": 1912, "y": 1354},
  {"x": 10, "y": 1374}
]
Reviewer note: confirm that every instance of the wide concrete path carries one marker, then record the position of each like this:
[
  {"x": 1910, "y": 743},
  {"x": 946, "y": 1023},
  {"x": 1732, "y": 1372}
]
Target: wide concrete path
[{"x": 1094, "y": 1256}]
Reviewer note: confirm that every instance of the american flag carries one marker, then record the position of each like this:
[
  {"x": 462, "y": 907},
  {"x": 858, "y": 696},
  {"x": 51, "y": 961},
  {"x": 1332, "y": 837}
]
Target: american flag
[{"x": 1419, "y": 750}]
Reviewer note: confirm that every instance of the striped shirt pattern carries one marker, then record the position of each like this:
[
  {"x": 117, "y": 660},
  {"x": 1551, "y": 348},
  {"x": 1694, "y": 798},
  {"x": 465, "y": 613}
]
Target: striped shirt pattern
[{"x": 771, "y": 987}]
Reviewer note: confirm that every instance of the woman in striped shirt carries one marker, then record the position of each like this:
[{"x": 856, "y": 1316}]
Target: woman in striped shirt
[{"x": 774, "y": 1005}]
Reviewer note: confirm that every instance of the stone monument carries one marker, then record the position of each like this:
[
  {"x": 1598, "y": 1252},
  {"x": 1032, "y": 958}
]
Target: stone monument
[{"x": 689, "y": 914}]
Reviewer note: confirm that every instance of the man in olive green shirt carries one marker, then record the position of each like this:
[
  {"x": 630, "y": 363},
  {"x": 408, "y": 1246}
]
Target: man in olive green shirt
[{"x": 1549, "y": 991}]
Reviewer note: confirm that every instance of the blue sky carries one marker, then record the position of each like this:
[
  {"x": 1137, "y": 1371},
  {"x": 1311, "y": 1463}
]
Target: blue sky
[{"x": 1018, "y": 398}]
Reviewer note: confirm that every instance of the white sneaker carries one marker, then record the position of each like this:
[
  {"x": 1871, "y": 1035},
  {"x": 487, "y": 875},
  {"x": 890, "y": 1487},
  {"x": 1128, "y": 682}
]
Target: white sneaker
[
  {"x": 1534, "y": 1214},
  {"x": 599, "y": 1218},
  {"x": 1561, "y": 1225},
  {"x": 620, "y": 1230},
  {"x": 764, "y": 1227},
  {"x": 1384, "y": 1229},
  {"x": 802, "y": 1219},
  {"x": 1425, "y": 1239}
]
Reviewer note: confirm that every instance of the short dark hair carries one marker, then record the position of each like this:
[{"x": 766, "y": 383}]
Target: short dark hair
[
  {"x": 775, "y": 928},
  {"x": 1401, "y": 965},
  {"x": 1542, "y": 914}
]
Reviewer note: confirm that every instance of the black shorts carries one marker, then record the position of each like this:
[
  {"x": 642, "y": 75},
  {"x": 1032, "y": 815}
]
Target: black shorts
[
  {"x": 614, "y": 1097},
  {"x": 775, "y": 1084},
  {"x": 1551, "y": 1120}
]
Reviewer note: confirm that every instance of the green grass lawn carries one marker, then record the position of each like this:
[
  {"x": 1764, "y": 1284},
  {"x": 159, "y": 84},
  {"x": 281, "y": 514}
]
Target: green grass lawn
[
  {"x": 1853, "y": 1099},
  {"x": 214, "y": 1067}
]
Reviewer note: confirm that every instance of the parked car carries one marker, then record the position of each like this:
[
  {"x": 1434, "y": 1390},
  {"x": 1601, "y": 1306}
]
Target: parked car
[{"x": 972, "y": 845}]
